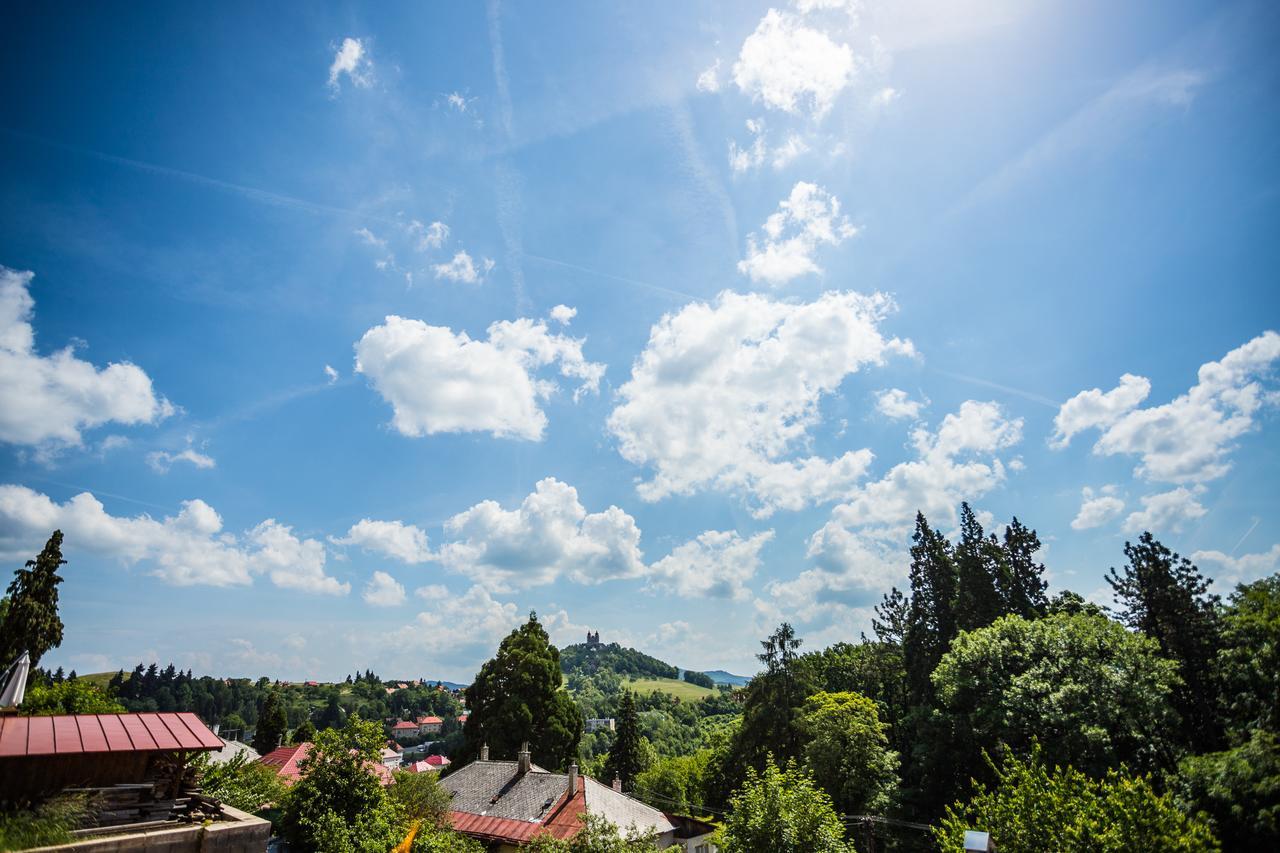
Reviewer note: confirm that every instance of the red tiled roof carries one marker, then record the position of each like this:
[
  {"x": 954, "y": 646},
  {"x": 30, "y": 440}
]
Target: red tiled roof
[
  {"x": 426, "y": 721},
  {"x": 83, "y": 733},
  {"x": 285, "y": 761},
  {"x": 404, "y": 724},
  {"x": 462, "y": 718},
  {"x": 437, "y": 761}
]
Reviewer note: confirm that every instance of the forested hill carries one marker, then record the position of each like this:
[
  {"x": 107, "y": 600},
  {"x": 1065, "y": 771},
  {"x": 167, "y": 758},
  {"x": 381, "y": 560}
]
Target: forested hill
[{"x": 584, "y": 659}]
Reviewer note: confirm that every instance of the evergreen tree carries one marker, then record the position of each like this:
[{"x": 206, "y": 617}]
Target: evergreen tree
[
  {"x": 893, "y": 614},
  {"x": 516, "y": 697},
  {"x": 931, "y": 622},
  {"x": 1164, "y": 596},
  {"x": 625, "y": 761},
  {"x": 978, "y": 565},
  {"x": 31, "y": 623},
  {"x": 332, "y": 717},
  {"x": 1022, "y": 583},
  {"x": 272, "y": 725},
  {"x": 304, "y": 733},
  {"x": 772, "y": 707}
]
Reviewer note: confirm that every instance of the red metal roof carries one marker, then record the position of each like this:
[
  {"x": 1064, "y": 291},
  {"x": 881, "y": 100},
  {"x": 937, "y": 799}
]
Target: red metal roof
[{"x": 68, "y": 734}]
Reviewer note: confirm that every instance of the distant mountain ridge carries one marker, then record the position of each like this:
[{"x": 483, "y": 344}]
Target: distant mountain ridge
[{"x": 719, "y": 676}]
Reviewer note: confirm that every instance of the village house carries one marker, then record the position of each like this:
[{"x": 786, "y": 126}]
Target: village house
[
  {"x": 600, "y": 724},
  {"x": 505, "y": 804},
  {"x": 430, "y": 764},
  {"x": 390, "y": 758},
  {"x": 405, "y": 730},
  {"x": 286, "y": 761},
  {"x": 430, "y": 725}
]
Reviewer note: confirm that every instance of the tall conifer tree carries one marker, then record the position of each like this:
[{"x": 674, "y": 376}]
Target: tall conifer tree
[
  {"x": 31, "y": 623},
  {"x": 1165, "y": 597},
  {"x": 624, "y": 761},
  {"x": 931, "y": 621},
  {"x": 1022, "y": 583},
  {"x": 977, "y": 568}
]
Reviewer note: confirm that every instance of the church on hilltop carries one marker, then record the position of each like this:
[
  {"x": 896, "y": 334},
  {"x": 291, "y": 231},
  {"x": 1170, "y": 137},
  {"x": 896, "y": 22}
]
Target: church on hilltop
[{"x": 593, "y": 639}]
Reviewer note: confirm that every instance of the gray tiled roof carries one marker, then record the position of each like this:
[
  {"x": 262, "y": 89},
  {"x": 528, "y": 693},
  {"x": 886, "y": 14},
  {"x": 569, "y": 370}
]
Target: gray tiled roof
[
  {"x": 623, "y": 811},
  {"x": 532, "y": 796},
  {"x": 528, "y": 797}
]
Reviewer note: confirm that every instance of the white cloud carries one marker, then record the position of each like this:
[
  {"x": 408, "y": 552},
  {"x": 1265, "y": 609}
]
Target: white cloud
[
  {"x": 725, "y": 393},
  {"x": 291, "y": 562},
  {"x": 395, "y": 539},
  {"x": 1186, "y": 440},
  {"x": 161, "y": 461},
  {"x": 792, "y": 67},
  {"x": 457, "y": 101},
  {"x": 474, "y": 620},
  {"x": 1243, "y": 569},
  {"x": 1167, "y": 511},
  {"x": 550, "y": 534},
  {"x": 746, "y": 159},
  {"x": 187, "y": 549},
  {"x": 382, "y": 590},
  {"x": 351, "y": 60},
  {"x": 804, "y": 7},
  {"x": 46, "y": 401},
  {"x": 440, "y": 381},
  {"x": 1097, "y": 509},
  {"x": 563, "y": 314},
  {"x": 330, "y": 374},
  {"x": 431, "y": 591},
  {"x": 807, "y": 219},
  {"x": 718, "y": 564},
  {"x": 434, "y": 236},
  {"x": 709, "y": 79},
  {"x": 959, "y": 461},
  {"x": 462, "y": 268},
  {"x": 371, "y": 239},
  {"x": 861, "y": 550},
  {"x": 789, "y": 150},
  {"x": 896, "y": 404},
  {"x": 884, "y": 97},
  {"x": 1093, "y": 408}
]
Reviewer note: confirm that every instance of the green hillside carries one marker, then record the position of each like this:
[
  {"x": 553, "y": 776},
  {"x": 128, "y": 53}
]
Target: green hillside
[{"x": 682, "y": 690}]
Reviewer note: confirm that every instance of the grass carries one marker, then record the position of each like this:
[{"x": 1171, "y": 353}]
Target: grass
[
  {"x": 99, "y": 679},
  {"x": 683, "y": 690}
]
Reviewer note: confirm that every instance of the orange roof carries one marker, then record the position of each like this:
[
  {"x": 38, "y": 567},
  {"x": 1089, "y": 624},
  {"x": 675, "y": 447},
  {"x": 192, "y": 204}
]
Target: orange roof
[
  {"x": 426, "y": 721},
  {"x": 82, "y": 733},
  {"x": 404, "y": 724}
]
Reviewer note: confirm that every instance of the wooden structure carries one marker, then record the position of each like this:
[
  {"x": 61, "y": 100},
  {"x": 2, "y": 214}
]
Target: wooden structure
[{"x": 40, "y": 756}]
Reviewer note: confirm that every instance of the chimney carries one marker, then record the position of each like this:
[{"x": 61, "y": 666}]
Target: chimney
[
  {"x": 484, "y": 752},
  {"x": 573, "y": 780},
  {"x": 523, "y": 757},
  {"x": 617, "y": 784}
]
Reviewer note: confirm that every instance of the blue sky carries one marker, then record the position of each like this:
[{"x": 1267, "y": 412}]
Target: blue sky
[{"x": 343, "y": 337}]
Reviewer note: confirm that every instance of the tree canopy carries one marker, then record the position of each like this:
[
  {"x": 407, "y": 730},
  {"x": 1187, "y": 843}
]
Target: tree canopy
[
  {"x": 782, "y": 811},
  {"x": 1031, "y": 807},
  {"x": 516, "y": 697}
]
